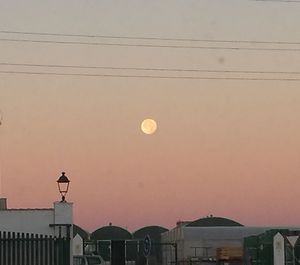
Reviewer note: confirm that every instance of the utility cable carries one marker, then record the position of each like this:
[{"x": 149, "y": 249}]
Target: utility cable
[
  {"x": 150, "y": 76},
  {"x": 147, "y": 69},
  {"x": 283, "y": 1},
  {"x": 150, "y": 45},
  {"x": 146, "y": 38}
]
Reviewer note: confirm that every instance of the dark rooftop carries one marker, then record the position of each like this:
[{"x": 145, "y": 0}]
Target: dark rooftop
[
  {"x": 111, "y": 233},
  {"x": 212, "y": 221}
]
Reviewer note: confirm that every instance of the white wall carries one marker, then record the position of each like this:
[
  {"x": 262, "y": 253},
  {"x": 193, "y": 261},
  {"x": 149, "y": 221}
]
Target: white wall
[
  {"x": 77, "y": 245},
  {"x": 63, "y": 214},
  {"x": 34, "y": 221},
  {"x": 37, "y": 221},
  {"x": 279, "y": 249}
]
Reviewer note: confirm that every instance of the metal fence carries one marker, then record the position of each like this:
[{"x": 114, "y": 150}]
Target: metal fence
[{"x": 32, "y": 249}]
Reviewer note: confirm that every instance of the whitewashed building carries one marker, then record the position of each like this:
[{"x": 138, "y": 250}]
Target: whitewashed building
[
  {"x": 47, "y": 221},
  {"x": 39, "y": 224},
  {"x": 199, "y": 240}
]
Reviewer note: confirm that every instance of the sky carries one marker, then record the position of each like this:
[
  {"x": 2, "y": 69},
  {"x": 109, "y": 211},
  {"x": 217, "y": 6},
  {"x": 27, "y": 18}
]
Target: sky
[{"x": 223, "y": 146}]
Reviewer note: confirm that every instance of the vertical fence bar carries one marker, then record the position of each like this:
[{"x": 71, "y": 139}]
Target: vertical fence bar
[
  {"x": 37, "y": 249},
  {"x": 51, "y": 253},
  {"x": 18, "y": 246},
  {"x": 1, "y": 248},
  {"x": 22, "y": 255},
  {"x": 31, "y": 249},
  {"x": 56, "y": 249},
  {"x": 27, "y": 250},
  {"x": 4, "y": 248},
  {"x": 32, "y": 246},
  {"x": 58, "y": 255},
  {"x": 46, "y": 250},
  {"x": 69, "y": 250},
  {"x": 65, "y": 251},
  {"x": 60, "y": 252},
  {"x": 12, "y": 242},
  {"x": 40, "y": 239},
  {"x": 9, "y": 254}
]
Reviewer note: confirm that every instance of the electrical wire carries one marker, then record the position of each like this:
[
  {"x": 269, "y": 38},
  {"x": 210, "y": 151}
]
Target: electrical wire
[
  {"x": 284, "y": 1},
  {"x": 147, "y": 38},
  {"x": 151, "y": 76},
  {"x": 148, "y": 69},
  {"x": 151, "y": 45}
]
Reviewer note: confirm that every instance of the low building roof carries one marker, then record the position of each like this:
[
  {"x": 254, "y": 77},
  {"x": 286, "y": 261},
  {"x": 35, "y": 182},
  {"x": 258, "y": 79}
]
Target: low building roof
[
  {"x": 111, "y": 233},
  {"x": 153, "y": 231},
  {"x": 212, "y": 221}
]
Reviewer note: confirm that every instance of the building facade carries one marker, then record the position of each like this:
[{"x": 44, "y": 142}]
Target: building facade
[
  {"x": 44, "y": 230},
  {"x": 207, "y": 240}
]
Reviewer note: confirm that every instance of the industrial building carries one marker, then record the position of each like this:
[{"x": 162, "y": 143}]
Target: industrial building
[
  {"x": 207, "y": 240},
  {"x": 116, "y": 244}
]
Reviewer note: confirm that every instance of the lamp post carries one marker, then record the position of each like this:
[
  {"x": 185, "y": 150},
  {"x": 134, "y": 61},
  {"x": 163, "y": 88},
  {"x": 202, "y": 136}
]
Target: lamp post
[{"x": 63, "y": 186}]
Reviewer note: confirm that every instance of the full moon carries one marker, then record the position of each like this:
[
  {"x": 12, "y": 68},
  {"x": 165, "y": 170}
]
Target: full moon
[{"x": 149, "y": 126}]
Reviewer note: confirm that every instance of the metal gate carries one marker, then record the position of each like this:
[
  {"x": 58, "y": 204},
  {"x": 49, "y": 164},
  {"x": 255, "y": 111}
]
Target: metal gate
[{"x": 33, "y": 249}]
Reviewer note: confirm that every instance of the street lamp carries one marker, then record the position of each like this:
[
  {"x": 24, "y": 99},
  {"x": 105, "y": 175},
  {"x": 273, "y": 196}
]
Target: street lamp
[{"x": 63, "y": 186}]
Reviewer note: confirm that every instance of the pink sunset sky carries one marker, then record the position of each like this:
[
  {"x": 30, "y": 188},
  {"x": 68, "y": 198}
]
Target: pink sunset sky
[{"x": 229, "y": 148}]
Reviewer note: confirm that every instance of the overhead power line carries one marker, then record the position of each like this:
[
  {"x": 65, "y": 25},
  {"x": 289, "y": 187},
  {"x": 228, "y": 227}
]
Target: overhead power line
[
  {"x": 148, "y": 69},
  {"x": 151, "y": 76},
  {"x": 147, "y": 38},
  {"x": 236, "y": 48},
  {"x": 284, "y": 1}
]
